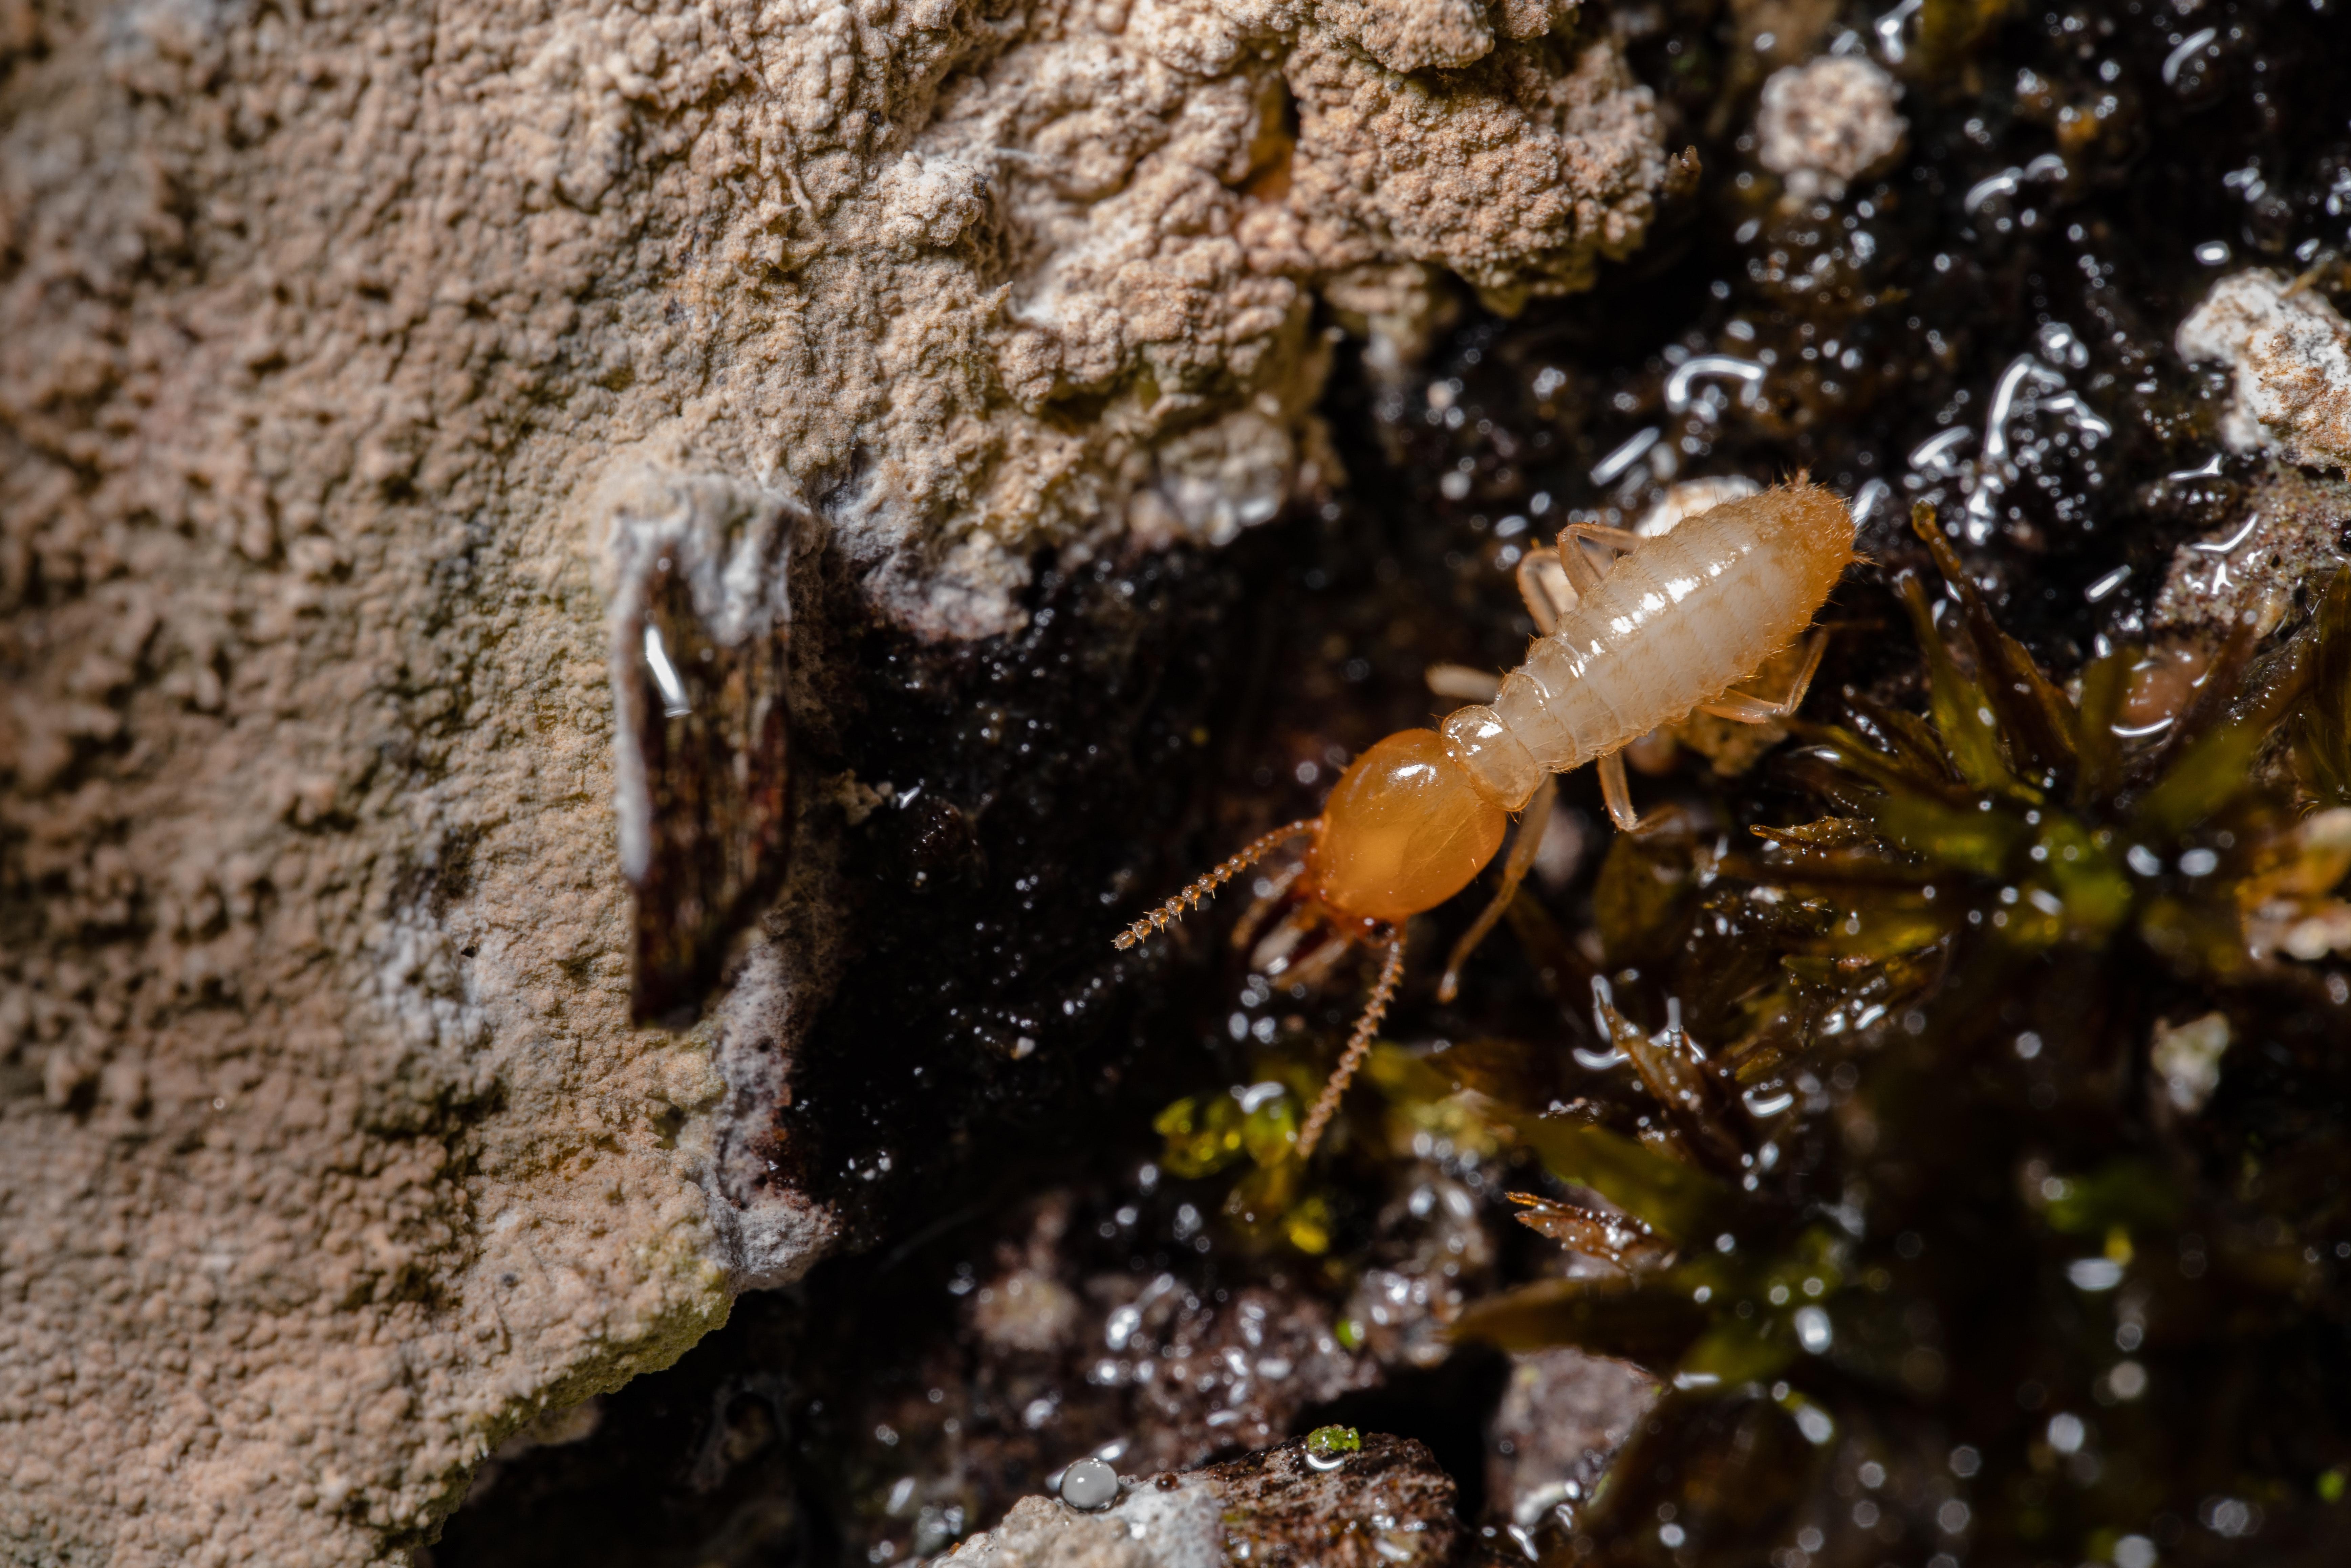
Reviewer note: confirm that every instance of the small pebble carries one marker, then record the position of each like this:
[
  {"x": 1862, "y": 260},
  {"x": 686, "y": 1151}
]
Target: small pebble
[{"x": 1090, "y": 1484}]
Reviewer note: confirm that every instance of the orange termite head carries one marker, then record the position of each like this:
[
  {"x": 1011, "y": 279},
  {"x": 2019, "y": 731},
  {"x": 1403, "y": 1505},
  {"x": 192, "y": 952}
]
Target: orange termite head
[{"x": 1405, "y": 829}]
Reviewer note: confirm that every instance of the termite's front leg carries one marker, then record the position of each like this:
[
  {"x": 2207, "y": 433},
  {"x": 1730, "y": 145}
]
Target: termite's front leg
[{"x": 1531, "y": 824}]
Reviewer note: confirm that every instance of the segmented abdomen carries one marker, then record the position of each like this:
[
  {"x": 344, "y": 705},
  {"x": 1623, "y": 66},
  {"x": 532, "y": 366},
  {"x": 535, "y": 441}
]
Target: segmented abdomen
[{"x": 1673, "y": 623}]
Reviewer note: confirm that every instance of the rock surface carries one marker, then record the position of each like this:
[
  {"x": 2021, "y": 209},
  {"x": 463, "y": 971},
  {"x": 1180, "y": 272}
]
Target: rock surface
[
  {"x": 329, "y": 1153},
  {"x": 2289, "y": 351},
  {"x": 2273, "y": 550},
  {"x": 1387, "y": 1505},
  {"x": 1564, "y": 1415}
]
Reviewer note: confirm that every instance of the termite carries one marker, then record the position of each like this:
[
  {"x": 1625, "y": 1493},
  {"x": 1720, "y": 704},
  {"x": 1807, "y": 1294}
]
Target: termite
[{"x": 1674, "y": 627}]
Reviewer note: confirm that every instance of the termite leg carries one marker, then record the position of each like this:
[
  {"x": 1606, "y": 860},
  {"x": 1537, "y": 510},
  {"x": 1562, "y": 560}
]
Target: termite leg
[
  {"x": 1463, "y": 684},
  {"x": 1602, "y": 533},
  {"x": 1814, "y": 646},
  {"x": 1253, "y": 918},
  {"x": 1531, "y": 824},
  {"x": 1543, "y": 583},
  {"x": 1582, "y": 575},
  {"x": 1749, "y": 709},
  {"x": 1740, "y": 708},
  {"x": 1359, "y": 1045},
  {"x": 1168, "y": 912},
  {"x": 1552, "y": 580},
  {"x": 1616, "y": 792}
]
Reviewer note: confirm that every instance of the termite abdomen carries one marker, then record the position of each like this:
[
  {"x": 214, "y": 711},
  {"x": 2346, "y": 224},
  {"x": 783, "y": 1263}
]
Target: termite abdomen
[{"x": 1674, "y": 624}]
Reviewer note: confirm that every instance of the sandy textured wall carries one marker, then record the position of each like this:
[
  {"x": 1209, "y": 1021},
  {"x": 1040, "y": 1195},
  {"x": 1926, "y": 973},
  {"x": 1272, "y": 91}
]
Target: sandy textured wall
[{"x": 331, "y": 339}]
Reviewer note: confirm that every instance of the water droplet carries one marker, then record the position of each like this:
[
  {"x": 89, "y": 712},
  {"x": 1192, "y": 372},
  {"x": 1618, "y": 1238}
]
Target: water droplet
[{"x": 1090, "y": 1484}]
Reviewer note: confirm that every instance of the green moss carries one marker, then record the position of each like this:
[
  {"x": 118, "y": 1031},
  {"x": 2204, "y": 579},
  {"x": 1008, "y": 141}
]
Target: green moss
[
  {"x": 1972, "y": 1239},
  {"x": 1334, "y": 1442}
]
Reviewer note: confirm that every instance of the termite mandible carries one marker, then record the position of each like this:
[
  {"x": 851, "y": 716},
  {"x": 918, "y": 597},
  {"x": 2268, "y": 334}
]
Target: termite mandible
[{"x": 1674, "y": 627}]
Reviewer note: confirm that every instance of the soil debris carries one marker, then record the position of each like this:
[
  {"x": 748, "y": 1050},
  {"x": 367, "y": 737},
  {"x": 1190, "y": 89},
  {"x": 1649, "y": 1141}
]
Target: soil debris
[
  {"x": 1826, "y": 123},
  {"x": 2289, "y": 353},
  {"x": 1385, "y": 1505}
]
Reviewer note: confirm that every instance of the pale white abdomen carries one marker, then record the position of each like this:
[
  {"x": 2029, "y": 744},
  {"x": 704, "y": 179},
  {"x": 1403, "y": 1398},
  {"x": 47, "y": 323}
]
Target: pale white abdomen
[{"x": 1673, "y": 623}]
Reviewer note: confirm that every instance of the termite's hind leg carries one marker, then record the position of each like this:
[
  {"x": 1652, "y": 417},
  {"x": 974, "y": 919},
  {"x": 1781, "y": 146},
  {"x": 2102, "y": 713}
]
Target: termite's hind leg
[
  {"x": 1531, "y": 824},
  {"x": 1618, "y": 792},
  {"x": 1359, "y": 1045},
  {"x": 1748, "y": 709},
  {"x": 1816, "y": 645},
  {"x": 1740, "y": 708}
]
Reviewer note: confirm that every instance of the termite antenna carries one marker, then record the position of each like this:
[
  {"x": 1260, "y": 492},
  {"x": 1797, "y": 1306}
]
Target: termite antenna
[
  {"x": 1167, "y": 913},
  {"x": 1359, "y": 1044}
]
